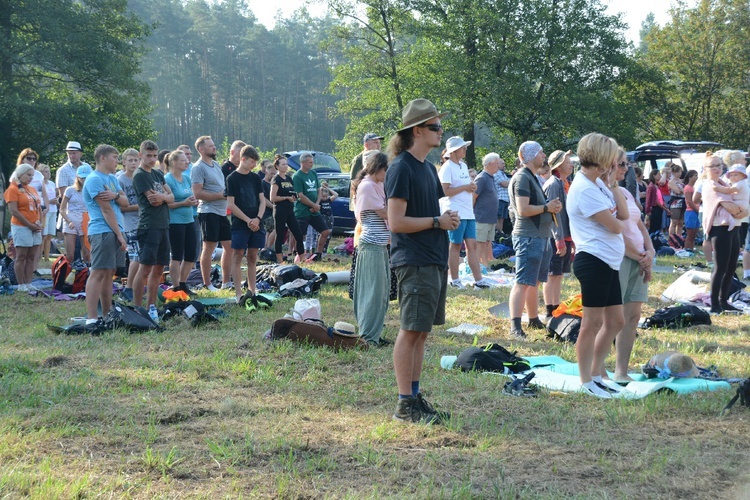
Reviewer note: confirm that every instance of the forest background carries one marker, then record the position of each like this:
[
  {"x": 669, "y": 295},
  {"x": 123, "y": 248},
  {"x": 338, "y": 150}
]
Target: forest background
[{"x": 119, "y": 71}]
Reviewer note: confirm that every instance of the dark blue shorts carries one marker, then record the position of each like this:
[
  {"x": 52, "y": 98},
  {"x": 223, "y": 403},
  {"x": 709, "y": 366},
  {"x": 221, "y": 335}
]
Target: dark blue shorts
[{"x": 242, "y": 239}]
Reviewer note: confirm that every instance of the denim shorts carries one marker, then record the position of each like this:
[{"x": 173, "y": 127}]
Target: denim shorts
[
  {"x": 533, "y": 256},
  {"x": 466, "y": 230},
  {"x": 691, "y": 220}
]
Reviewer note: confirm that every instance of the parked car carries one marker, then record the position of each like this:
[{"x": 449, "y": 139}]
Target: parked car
[
  {"x": 329, "y": 170},
  {"x": 656, "y": 154}
]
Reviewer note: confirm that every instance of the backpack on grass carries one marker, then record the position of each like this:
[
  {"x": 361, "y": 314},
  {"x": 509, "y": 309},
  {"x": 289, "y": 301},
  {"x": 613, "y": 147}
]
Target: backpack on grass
[
  {"x": 678, "y": 317},
  {"x": 743, "y": 394},
  {"x": 491, "y": 358},
  {"x": 564, "y": 328},
  {"x": 61, "y": 269},
  {"x": 132, "y": 319}
]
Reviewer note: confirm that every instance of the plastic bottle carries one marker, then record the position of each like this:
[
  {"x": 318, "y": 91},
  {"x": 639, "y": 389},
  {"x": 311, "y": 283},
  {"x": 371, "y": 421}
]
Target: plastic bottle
[{"x": 153, "y": 313}]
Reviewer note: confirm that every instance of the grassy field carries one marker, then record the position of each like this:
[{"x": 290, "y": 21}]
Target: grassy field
[{"x": 218, "y": 412}]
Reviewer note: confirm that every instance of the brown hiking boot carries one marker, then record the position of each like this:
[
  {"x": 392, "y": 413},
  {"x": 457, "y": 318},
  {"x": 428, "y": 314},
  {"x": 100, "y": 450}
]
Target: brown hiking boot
[{"x": 409, "y": 410}]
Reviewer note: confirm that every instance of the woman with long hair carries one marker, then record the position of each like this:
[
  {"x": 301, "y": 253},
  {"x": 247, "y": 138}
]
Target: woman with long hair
[
  {"x": 372, "y": 277},
  {"x": 677, "y": 201},
  {"x": 692, "y": 221},
  {"x": 283, "y": 196},
  {"x": 50, "y": 220},
  {"x": 182, "y": 234},
  {"x": 72, "y": 209},
  {"x": 655, "y": 207},
  {"x": 25, "y": 206},
  {"x": 597, "y": 209}
]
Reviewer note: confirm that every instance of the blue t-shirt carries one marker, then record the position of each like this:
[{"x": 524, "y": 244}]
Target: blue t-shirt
[
  {"x": 95, "y": 183},
  {"x": 485, "y": 206},
  {"x": 181, "y": 191}
]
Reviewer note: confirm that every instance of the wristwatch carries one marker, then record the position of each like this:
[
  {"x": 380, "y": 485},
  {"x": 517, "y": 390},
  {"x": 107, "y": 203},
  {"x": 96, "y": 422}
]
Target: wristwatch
[
  {"x": 117, "y": 197},
  {"x": 545, "y": 209},
  {"x": 435, "y": 223}
]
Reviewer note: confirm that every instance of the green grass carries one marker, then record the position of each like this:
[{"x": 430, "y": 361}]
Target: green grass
[{"x": 219, "y": 412}]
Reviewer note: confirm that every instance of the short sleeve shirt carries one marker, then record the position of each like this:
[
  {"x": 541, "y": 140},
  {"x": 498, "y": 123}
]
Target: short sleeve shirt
[
  {"x": 502, "y": 192},
  {"x": 246, "y": 189},
  {"x": 267, "y": 193},
  {"x": 285, "y": 188},
  {"x": 213, "y": 182},
  {"x": 130, "y": 218},
  {"x": 97, "y": 182},
  {"x": 307, "y": 184},
  {"x": 457, "y": 175},
  {"x": 27, "y": 200},
  {"x": 151, "y": 217},
  {"x": 66, "y": 175},
  {"x": 181, "y": 191},
  {"x": 417, "y": 182},
  {"x": 525, "y": 184},
  {"x": 485, "y": 206}
]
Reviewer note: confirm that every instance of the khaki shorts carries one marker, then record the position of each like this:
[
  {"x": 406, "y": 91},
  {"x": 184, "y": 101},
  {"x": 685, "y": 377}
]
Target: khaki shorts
[
  {"x": 421, "y": 296},
  {"x": 631, "y": 282},
  {"x": 106, "y": 252},
  {"x": 485, "y": 232}
]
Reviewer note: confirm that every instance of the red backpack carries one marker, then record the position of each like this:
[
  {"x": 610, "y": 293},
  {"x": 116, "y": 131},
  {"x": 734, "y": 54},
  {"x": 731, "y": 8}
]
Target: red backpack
[{"x": 61, "y": 269}]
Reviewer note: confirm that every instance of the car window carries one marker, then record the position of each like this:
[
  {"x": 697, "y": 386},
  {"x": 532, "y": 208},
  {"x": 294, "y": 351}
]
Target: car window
[
  {"x": 339, "y": 184},
  {"x": 321, "y": 160}
]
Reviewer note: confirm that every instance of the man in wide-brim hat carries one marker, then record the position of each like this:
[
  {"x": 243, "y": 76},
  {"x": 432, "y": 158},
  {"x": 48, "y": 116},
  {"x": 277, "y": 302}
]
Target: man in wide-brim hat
[{"x": 419, "y": 251}]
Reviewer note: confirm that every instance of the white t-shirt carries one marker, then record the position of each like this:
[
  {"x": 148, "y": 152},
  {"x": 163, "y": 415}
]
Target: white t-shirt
[
  {"x": 457, "y": 175},
  {"x": 584, "y": 200}
]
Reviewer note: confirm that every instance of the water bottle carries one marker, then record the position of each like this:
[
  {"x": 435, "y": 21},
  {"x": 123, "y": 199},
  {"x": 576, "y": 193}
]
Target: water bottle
[{"x": 153, "y": 313}]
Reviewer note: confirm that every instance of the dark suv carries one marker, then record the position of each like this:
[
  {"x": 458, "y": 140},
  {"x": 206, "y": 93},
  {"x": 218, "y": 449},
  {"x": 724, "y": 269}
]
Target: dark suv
[
  {"x": 329, "y": 170},
  {"x": 656, "y": 154}
]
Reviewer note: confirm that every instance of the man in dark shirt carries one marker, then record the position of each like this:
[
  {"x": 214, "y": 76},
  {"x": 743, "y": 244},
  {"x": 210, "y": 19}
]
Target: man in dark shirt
[
  {"x": 246, "y": 202},
  {"x": 419, "y": 250},
  {"x": 154, "y": 197},
  {"x": 231, "y": 164},
  {"x": 371, "y": 142}
]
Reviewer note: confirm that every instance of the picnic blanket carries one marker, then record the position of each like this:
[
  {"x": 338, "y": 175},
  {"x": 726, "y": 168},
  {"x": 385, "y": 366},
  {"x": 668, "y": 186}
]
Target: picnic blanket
[{"x": 562, "y": 375}]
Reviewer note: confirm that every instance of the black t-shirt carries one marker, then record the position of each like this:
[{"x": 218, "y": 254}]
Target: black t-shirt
[
  {"x": 267, "y": 193},
  {"x": 228, "y": 168},
  {"x": 150, "y": 217},
  {"x": 246, "y": 189},
  {"x": 325, "y": 208},
  {"x": 417, "y": 183},
  {"x": 286, "y": 188}
]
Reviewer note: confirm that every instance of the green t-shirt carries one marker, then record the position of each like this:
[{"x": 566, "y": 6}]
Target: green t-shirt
[{"x": 307, "y": 184}]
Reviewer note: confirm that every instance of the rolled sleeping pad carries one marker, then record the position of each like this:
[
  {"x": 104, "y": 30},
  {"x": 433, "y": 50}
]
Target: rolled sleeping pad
[{"x": 338, "y": 277}]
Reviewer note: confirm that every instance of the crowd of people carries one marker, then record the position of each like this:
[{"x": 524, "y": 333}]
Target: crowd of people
[{"x": 414, "y": 220}]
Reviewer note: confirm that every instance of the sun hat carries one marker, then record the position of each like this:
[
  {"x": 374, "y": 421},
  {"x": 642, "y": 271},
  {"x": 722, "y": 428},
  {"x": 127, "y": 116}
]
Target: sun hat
[
  {"x": 557, "y": 158},
  {"x": 673, "y": 364},
  {"x": 417, "y": 112},
  {"x": 455, "y": 143},
  {"x": 83, "y": 171},
  {"x": 73, "y": 146},
  {"x": 371, "y": 137},
  {"x": 528, "y": 151},
  {"x": 737, "y": 168},
  {"x": 344, "y": 328}
]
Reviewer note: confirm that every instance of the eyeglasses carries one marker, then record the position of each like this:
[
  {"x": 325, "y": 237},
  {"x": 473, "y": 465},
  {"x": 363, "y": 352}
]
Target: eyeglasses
[
  {"x": 435, "y": 127},
  {"x": 31, "y": 158}
]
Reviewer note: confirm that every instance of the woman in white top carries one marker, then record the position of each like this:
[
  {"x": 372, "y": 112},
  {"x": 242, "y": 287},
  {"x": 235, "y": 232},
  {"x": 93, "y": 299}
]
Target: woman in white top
[
  {"x": 50, "y": 223},
  {"x": 596, "y": 209}
]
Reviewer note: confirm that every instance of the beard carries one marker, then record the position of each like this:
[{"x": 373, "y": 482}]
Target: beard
[{"x": 212, "y": 155}]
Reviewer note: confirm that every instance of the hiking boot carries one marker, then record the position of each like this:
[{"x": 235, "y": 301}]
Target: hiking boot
[
  {"x": 536, "y": 323},
  {"x": 409, "y": 410},
  {"x": 428, "y": 409},
  {"x": 187, "y": 290},
  {"x": 518, "y": 334}
]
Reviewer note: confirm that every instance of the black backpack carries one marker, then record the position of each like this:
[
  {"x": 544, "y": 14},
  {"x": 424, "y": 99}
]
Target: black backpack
[
  {"x": 678, "y": 317},
  {"x": 743, "y": 394},
  {"x": 132, "y": 319},
  {"x": 491, "y": 358},
  {"x": 193, "y": 310},
  {"x": 308, "y": 288},
  {"x": 564, "y": 328}
]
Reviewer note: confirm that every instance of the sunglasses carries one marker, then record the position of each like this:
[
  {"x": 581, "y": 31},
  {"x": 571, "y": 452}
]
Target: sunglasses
[
  {"x": 435, "y": 127},
  {"x": 32, "y": 158}
]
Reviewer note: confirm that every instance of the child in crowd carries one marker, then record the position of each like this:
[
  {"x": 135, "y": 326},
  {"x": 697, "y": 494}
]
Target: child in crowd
[
  {"x": 739, "y": 189},
  {"x": 327, "y": 195}
]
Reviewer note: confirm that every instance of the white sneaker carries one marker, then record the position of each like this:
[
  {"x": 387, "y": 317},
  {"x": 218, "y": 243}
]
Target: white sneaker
[
  {"x": 481, "y": 284},
  {"x": 22, "y": 288},
  {"x": 227, "y": 286},
  {"x": 610, "y": 385},
  {"x": 592, "y": 389},
  {"x": 212, "y": 288},
  {"x": 456, "y": 284}
]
